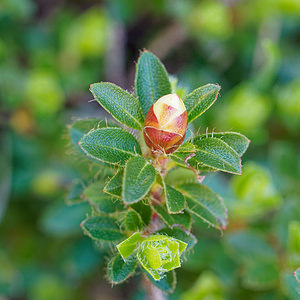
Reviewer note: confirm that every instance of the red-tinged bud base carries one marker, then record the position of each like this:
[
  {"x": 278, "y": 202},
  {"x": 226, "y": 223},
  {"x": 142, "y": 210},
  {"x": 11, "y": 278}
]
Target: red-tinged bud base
[{"x": 162, "y": 141}]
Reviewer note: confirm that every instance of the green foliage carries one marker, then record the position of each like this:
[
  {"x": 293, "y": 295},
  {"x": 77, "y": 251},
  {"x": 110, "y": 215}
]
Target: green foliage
[
  {"x": 151, "y": 81},
  {"x": 255, "y": 192},
  {"x": 111, "y": 145},
  {"x": 139, "y": 176},
  {"x": 123, "y": 106},
  {"x": 146, "y": 191},
  {"x": 102, "y": 202},
  {"x": 216, "y": 154},
  {"x": 114, "y": 185},
  {"x": 129, "y": 245},
  {"x": 204, "y": 203},
  {"x": 174, "y": 199},
  {"x": 183, "y": 219},
  {"x": 297, "y": 274},
  {"x": 133, "y": 221},
  {"x": 236, "y": 141},
  {"x": 200, "y": 100},
  {"x": 166, "y": 283},
  {"x": 119, "y": 270},
  {"x": 179, "y": 234},
  {"x": 102, "y": 228},
  {"x": 294, "y": 243}
]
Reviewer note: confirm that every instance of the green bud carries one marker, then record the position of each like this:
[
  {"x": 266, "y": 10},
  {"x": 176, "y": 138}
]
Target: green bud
[{"x": 159, "y": 254}]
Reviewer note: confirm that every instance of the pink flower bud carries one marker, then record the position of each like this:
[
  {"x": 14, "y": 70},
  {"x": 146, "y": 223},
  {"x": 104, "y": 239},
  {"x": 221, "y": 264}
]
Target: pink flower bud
[{"x": 166, "y": 124}]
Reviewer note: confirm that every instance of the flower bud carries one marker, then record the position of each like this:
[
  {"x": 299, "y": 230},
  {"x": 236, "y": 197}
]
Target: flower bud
[
  {"x": 159, "y": 254},
  {"x": 166, "y": 124}
]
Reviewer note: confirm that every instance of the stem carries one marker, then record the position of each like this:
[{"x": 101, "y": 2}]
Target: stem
[{"x": 152, "y": 292}]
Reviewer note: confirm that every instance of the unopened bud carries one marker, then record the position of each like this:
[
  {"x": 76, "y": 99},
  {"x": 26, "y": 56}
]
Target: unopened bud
[{"x": 166, "y": 124}]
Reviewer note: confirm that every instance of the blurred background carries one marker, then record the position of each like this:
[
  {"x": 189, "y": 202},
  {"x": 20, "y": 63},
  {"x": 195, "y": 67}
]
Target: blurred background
[{"x": 50, "y": 51}]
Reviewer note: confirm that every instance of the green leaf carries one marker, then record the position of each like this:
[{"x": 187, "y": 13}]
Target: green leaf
[
  {"x": 200, "y": 100},
  {"x": 133, "y": 221},
  {"x": 81, "y": 127},
  {"x": 185, "y": 150},
  {"x": 119, "y": 270},
  {"x": 124, "y": 107},
  {"x": 235, "y": 140},
  {"x": 111, "y": 145},
  {"x": 127, "y": 247},
  {"x": 291, "y": 286},
  {"x": 216, "y": 154},
  {"x": 183, "y": 219},
  {"x": 260, "y": 275},
  {"x": 144, "y": 210},
  {"x": 151, "y": 81},
  {"x": 297, "y": 274},
  {"x": 139, "y": 176},
  {"x": 205, "y": 204},
  {"x": 167, "y": 283},
  {"x": 102, "y": 228},
  {"x": 178, "y": 175},
  {"x": 179, "y": 234},
  {"x": 114, "y": 185},
  {"x": 105, "y": 203},
  {"x": 174, "y": 199}
]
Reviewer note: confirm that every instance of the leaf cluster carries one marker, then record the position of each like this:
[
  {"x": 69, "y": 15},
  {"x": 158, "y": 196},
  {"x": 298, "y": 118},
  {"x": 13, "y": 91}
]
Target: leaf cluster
[{"x": 150, "y": 202}]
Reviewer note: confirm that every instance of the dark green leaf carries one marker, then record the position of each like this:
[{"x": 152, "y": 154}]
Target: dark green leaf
[
  {"x": 236, "y": 141},
  {"x": 180, "y": 234},
  {"x": 133, "y": 221},
  {"x": 216, "y": 154},
  {"x": 174, "y": 199},
  {"x": 139, "y": 176},
  {"x": 102, "y": 228},
  {"x": 105, "y": 203},
  {"x": 114, "y": 185},
  {"x": 183, "y": 219},
  {"x": 144, "y": 210},
  {"x": 112, "y": 145},
  {"x": 151, "y": 81},
  {"x": 167, "y": 283},
  {"x": 205, "y": 204},
  {"x": 81, "y": 127},
  {"x": 118, "y": 270},
  {"x": 200, "y": 100},
  {"x": 123, "y": 106}
]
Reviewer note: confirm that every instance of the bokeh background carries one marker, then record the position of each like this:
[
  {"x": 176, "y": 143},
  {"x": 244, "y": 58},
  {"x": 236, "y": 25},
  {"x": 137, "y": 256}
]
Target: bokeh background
[{"x": 50, "y": 51}]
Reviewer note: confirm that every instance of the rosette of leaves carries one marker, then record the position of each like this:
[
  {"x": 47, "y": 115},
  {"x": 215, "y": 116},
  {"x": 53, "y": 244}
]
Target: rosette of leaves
[{"x": 146, "y": 207}]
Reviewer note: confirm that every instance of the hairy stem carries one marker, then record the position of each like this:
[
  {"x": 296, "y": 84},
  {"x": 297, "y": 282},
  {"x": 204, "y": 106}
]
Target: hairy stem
[{"x": 152, "y": 292}]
